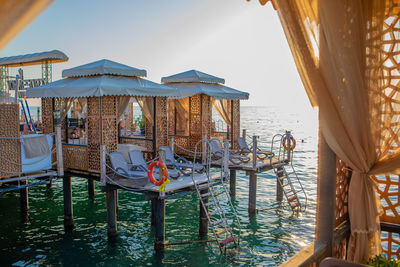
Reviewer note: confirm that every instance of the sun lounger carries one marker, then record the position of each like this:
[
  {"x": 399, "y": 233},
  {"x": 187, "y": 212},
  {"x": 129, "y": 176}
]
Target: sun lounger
[
  {"x": 179, "y": 162},
  {"x": 217, "y": 153},
  {"x": 121, "y": 168},
  {"x": 245, "y": 150},
  {"x": 138, "y": 163}
]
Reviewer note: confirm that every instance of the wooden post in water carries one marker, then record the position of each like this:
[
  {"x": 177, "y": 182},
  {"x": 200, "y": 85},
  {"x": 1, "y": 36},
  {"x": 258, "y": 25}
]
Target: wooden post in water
[
  {"x": 103, "y": 179},
  {"x": 112, "y": 213},
  {"x": 203, "y": 226},
  {"x": 91, "y": 188},
  {"x": 279, "y": 189},
  {"x": 59, "y": 154},
  {"x": 153, "y": 211},
  {"x": 24, "y": 200},
  {"x": 159, "y": 214},
  {"x": 253, "y": 180},
  {"x": 244, "y": 133},
  {"x": 232, "y": 183},
  {"x": 252, "y": 193},
  {"x": 68, "y": 212}
]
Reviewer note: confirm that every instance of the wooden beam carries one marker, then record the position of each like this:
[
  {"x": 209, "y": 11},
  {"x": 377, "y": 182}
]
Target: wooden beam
[
  {"x": 68, "y": 211},
  {"x": 326, "y": 195},
  {"x": 112, "y": 214},
  {"x": 232, "y": 183},
  {"x": 252, "y": 193},
  {"x": 203, "y": 225}
]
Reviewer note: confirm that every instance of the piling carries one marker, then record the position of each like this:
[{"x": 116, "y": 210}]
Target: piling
[
  {"x": 112, "y": 213},
  {"x": 279, "y": 189},
  {"x": 252, "y": 193},
  {"x": 232, "y": 183},
  {"x": 68, "y": 212},
  {"x": 159, "y": 214},
  {"x": 153, "y": 210},
  {"x": 91, "y": 189},
  {"x": 24, "y": 200},
  {"x": 203, "y": 226}
]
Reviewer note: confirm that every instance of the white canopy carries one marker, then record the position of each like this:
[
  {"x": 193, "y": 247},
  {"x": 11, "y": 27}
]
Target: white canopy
[
  {"x": 35, "y": 58},
  {"x": 192, "y": 76},
  {"x": 194, "y": 82},
  {"x": 103, "y": 67},
  {"x": 102, "y": 85}
]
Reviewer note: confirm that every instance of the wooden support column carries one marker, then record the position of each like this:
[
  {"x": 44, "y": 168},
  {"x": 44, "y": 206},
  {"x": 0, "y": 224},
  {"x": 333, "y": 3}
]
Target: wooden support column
[
  {"x": 159, "y": 214},
  {"x": 203, "y": 226},
  {"x": 153, "y": 211},
  {"x": 112, "y": 213},
  {"x": 279, "y": 189},
  {"x": 252, "y": 193},
  {"x": 91, "y": 189},
  {"x": 325, "y": 195},
  {"x": 68, "y": 212},
  {"x": 232, "y": 181},
  {"x": 24, "y": 200}
]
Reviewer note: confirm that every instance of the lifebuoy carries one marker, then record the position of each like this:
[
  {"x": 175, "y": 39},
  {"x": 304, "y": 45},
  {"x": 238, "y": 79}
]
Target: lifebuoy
[
  {"x": 164, "y": 172},
  {"x": 292, "y": 143}
]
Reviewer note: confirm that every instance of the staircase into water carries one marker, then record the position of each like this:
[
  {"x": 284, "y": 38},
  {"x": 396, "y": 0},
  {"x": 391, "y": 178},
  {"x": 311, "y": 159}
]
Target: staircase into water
[
  {"x": 222, "y": 217},
  {"x": 289, "y": 181}
]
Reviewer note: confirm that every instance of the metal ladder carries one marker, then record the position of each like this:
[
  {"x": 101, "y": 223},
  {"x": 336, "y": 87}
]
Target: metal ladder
[
  {"x": 215, "y": 201},
  {"x": 289, "y": 181}
]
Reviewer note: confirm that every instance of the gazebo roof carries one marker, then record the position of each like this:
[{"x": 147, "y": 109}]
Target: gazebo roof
[
  {"x": 107, "y": 84},
  {"x": 34, "y": 59},
  {"x": 103, "y": 67},
  {"x": 194, "y": 82}
]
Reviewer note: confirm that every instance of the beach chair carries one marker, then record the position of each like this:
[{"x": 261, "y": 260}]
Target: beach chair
[
  {"x": 121, "y": 168},
  {"x": 179, "y": 162},
  {"x": 217, "y": 153},
  {"x": 138, "y": 163},
  {"x": 245, "y": 150}
]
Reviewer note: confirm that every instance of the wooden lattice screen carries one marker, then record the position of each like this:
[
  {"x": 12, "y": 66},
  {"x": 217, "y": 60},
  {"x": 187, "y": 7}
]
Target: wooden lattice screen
[
  {"x": 47, "y": 115},
  {"x": 10, "y": 149},
  {"x": 235, "y": 123},
  {"x": 102, "y": 117}
]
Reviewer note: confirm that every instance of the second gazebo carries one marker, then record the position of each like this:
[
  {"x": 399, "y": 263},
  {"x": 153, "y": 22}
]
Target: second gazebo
[{"x": 190, "y": 115}]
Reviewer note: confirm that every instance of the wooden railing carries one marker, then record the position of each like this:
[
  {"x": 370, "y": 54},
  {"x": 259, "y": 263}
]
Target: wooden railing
[{"x": 75, "y": 157}]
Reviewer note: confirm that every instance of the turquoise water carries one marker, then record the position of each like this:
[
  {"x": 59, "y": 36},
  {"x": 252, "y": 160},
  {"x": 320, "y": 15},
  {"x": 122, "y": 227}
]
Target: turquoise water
[{"x": 268, "y": 239}]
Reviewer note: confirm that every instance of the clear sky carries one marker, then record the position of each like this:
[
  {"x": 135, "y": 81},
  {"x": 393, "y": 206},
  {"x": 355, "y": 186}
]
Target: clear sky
[{"x": 240, "y": 41}]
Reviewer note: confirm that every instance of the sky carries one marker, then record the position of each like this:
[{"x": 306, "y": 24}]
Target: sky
[{"x": 242, "y": 42}]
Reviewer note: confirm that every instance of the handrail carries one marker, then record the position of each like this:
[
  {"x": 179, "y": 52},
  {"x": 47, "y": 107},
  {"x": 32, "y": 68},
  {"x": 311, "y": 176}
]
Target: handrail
[
  {"x": 136, "y": 138},
  {"x": 315, "y": 252}
]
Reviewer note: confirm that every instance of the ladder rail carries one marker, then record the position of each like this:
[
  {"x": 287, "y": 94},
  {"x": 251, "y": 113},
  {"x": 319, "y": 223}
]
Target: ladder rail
[
  {"x": 214, "y": 197},
  {"x": 222, "y": 171},
  {"x": 298, "y": 181}
]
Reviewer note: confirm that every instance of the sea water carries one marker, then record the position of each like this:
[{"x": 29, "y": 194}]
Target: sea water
[{"x": 268, "y": 239}]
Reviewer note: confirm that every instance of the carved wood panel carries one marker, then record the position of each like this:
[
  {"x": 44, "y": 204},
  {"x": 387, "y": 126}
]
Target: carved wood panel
[
  {"x": 389, "y": 193},
  {"x": 75, "y": 157},
  {"x": 47, "y": 115},
  {"x": 161, "y": 122},
  {"x": 235, "y": 123},
  {"x": 342, "y": 191},
  {"x": 10, "y": 149}
]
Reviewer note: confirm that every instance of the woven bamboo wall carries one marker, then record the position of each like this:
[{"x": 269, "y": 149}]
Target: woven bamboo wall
[{"x": 9, "y": 148}]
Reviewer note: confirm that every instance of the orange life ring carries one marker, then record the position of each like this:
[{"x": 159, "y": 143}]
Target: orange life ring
[
  {"x": 164, "y": 171},
  {"x": 292, "y": 144}
]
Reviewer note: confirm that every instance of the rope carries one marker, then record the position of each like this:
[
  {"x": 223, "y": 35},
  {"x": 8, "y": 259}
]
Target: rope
[
  {"x": 187, "y": 150},
  {"x": 123, "y": 187}
]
